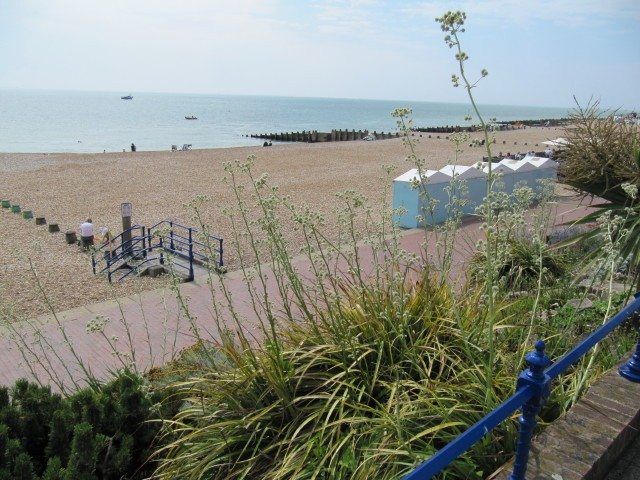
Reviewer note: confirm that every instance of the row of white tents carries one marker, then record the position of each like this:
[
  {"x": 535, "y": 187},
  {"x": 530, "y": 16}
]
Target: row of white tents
[{"x": 428, "y": 200}]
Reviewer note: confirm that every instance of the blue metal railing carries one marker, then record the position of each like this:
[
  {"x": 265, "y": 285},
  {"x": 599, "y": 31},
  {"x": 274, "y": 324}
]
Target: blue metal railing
[
  {"x": 207, "y": 249},
  {"x": 532, "y": 389},
  {"x": 164, "y": 237}
]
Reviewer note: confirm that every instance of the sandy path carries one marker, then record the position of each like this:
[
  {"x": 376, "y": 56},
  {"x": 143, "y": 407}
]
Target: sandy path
[{"x": 67, "y": 188}]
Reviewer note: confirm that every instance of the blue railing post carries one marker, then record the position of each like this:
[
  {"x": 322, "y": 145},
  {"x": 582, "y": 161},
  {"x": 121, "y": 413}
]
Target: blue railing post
[
  {"x": 108, "y": 259},
  {"x": 93, "y": 262},
  {"x": 534, "y": 375},
  {"x": 191, "y": 274},
  {"x": 173, "y": 248},
  {"x": 161, "y": 251},
  {"x": 144, "y": 242},
  {"x": 631, "y": 369},
  {"x": 220, "y": 261}
]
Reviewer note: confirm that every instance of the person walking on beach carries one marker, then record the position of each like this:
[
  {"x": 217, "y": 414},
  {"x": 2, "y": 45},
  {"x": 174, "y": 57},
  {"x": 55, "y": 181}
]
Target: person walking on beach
[
  {"x": 133, "y": 147},
  {"x": 108, "y": 244},
  {"x": 86, "y": 234}
]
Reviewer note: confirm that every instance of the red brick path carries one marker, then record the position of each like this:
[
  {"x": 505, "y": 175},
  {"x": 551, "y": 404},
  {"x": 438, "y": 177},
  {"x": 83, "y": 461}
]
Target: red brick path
[{"x": 158, "y": 328}]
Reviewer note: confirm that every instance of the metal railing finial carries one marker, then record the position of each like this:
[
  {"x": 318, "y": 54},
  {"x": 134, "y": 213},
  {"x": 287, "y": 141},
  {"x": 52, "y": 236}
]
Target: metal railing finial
[
  {"x": 534, "y": 375},
  {"x": 631, "y": 369}
]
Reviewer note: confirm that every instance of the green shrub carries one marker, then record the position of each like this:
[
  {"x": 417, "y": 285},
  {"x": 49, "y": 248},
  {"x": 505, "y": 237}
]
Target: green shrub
[
  {"x": 102, "y": 432},
  {"x": 523, "y": 264},
  {"x": 601, "y": 154}
]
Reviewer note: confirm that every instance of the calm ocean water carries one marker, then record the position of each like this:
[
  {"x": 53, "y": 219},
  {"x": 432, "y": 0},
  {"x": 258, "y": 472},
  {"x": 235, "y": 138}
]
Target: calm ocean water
[{"x": 54, "y": 121}]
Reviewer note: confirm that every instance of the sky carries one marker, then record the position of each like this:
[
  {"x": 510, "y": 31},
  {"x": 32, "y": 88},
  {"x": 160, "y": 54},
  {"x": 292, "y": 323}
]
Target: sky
[{"x": 538, "y": 53}]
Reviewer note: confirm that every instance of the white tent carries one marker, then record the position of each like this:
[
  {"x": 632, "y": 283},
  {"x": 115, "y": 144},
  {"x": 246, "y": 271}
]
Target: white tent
[{"x": 558, "y": 142}]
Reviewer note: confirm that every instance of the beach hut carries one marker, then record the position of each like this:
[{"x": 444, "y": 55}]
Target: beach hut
[
  {"x": 476, "y": 184},
  {"x": 507, "y": 176},
  {"x": 547, "y": 169},
  {"x": 525, "y": 173},
  {"x": 424, "y": 197}
]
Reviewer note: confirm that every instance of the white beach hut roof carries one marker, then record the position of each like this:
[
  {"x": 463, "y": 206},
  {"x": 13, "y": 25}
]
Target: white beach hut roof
[
  {"x": 430, "y": 176},
  {"x": 542, "y": 162},
  {"x": 495, "y": 168},
  {"x": 518, "y": 165},
  {"x": 462, "y": 171}
]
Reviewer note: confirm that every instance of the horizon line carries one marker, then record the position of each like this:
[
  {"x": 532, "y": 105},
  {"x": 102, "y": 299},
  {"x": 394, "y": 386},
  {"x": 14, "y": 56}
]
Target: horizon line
[{"x": 131, "y": 92}]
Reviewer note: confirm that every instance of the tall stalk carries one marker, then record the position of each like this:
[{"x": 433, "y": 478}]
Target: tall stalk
[{"x": 452, "y": 23}]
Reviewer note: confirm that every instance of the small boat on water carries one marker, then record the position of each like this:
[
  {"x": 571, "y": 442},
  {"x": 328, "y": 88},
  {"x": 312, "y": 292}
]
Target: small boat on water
[
  {"x": 127, "y": 97},
  {"x": 190, "y": 117}
]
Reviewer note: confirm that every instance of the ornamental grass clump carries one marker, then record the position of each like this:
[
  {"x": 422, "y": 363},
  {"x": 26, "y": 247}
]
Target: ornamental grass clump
[
  {"x": 392, "y": 377},
  {"x": 523, "y": 265},
  {"x": 602, "y": 153}
]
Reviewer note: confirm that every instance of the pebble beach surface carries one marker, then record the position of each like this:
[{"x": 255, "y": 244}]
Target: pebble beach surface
[{"x": 68, "y": 188}]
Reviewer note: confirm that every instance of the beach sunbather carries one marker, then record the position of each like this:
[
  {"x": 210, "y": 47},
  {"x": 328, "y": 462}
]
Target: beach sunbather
[{"x": 86, "y": 234}]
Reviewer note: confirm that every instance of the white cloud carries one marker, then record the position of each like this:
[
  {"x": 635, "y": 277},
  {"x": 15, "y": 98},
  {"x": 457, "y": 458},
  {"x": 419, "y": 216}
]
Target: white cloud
[
  {"x": 346, "y": 17},
  {"x": 568, "y": 13}
]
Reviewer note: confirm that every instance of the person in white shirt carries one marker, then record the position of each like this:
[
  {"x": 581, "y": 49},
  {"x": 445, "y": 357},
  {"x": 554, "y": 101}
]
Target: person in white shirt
[
  {"x": 548, "y": 152},
  {"x": 86, "y": 234}
]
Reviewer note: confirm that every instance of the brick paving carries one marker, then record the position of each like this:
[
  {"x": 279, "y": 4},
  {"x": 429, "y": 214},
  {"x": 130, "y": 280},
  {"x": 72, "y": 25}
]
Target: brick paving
[{"x": 157, "y": 328}]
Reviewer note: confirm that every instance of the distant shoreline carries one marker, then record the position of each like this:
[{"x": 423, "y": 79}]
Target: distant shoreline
[{"x": 258, "y": 143}]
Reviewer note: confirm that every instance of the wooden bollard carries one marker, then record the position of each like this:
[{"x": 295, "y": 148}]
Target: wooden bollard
[
  {"x": 70, "y": 237},
  {"x": 41, "y": 221},
  {"x": 53, "y": 228}
]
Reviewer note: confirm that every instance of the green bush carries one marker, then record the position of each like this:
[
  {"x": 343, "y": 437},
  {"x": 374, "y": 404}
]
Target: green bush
[
  {"x": 602, "y": 153},
  {"x": 523, "y": 264},
  {"x": 101, "y": 432}
]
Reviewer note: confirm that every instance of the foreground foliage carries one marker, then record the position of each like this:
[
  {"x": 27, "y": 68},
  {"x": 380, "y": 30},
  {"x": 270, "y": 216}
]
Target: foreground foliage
[
  {"x": 602, "y": 153},
  {"x": 390, "y": 380},
  {"x": 603, "y": 159},
  {"x": 96, "y": 433},
  {"x": 524, "y": 264}
]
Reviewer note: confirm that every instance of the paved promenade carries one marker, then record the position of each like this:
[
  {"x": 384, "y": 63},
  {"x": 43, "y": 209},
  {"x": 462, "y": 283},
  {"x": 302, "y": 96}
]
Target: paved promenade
[{"x": 157, "y": 327}]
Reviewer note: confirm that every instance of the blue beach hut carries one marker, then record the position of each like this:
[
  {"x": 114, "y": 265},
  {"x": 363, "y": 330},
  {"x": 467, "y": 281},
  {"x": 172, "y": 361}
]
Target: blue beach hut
[
  {"x": 475, "y": 183},
  {"x": 524, "y": 173},
  {"x": 423, "y": 200},
  {"x": 546, "y": 169},
  {"x": 506, "y": 175}
]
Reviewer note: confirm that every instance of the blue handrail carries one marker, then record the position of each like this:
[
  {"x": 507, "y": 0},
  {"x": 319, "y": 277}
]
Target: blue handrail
[
  {"x": 531, "y": 391},
  {"x": 179, "y": 242}
]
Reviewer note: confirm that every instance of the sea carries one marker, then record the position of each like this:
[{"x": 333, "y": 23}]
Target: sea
[{"x": 67, "y": 121}]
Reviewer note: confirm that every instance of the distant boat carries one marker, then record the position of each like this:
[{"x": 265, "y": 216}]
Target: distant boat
[
  {"x": 190, "y": 117},
  {"x": 128, "y": 97}
]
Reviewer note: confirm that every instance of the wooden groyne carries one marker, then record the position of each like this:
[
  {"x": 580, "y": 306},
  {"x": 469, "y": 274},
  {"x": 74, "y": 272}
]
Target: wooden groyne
[
  {"x": 510, "y": 125},
  {"x": 314, "y": 136}
]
